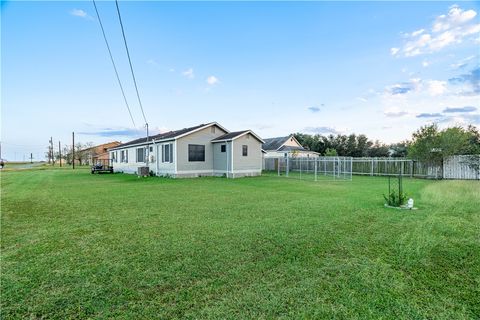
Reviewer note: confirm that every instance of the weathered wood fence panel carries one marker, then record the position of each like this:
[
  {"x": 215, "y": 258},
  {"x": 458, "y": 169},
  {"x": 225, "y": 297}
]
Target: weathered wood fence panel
[{"x": 461, "y": 167}]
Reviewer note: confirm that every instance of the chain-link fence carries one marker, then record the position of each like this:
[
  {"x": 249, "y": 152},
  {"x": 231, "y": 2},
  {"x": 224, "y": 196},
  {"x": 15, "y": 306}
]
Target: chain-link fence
[{"x": 315, "y": 169}]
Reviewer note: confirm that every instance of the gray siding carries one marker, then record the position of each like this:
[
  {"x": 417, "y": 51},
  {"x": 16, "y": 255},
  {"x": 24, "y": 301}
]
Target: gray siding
[
  {"x": 220, "y": 158},
  {"x": 253, "y": 161},
  {"x": 131, "y": 166},
  {"x": 203, "y": 137}
]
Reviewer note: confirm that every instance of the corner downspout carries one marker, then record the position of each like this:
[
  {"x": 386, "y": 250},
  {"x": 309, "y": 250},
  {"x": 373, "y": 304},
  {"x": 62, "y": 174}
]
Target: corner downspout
[
  {"x": 231, "y": 150},
  {"x": 174, "y": 153},
  {"x": 156, "y": 156}
]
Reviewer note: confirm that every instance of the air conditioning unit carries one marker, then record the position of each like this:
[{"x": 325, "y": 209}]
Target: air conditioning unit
[{"x": 143, "y": 171}]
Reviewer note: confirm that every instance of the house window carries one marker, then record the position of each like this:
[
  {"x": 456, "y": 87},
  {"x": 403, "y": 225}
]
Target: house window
[
  {"x": 167, "y": 152},
  {"x": 141, "y": 154},
  {"x": 223, "y": 148},
  {"x": 196, "y": 152},
  {"x": 116, "y": 156},
  {"x": 126, "y": 156},
  {"x": 112, "y": 156},
  {"x": 151, "y": 149},
  {"x": 244, "y": 150},
  {"x": 122, "y": 156}
]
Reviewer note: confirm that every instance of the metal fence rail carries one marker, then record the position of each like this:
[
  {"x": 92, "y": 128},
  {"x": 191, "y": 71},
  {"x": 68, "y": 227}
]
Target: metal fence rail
[{"x": 318, "y": 168}]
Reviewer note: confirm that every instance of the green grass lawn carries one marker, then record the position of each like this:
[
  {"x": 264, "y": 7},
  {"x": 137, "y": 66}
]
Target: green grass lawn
[{"x": 76, "y": 245}]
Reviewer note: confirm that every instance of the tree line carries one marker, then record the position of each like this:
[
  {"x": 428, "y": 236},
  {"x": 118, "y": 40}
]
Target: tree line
[
  {"x": 350, "y": 145},
  {"x": 428, "y": 143}
]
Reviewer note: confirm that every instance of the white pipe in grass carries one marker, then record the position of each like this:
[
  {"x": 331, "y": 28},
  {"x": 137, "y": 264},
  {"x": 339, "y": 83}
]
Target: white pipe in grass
[{"x": 410, "y": 203}]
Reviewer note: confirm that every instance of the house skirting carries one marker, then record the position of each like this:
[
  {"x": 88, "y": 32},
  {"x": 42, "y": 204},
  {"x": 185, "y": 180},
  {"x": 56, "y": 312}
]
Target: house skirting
[
  {"x": 216, "y": 173},
  {"x": 193, "y": 173}
]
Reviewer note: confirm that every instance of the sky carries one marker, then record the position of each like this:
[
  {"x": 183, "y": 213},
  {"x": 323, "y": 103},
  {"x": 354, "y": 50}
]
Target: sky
[{"x": 378, "y": 68}]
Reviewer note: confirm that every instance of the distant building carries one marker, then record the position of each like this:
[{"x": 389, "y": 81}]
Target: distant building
[
  {"x": 99, "y": 153},
  {"x": 285, "y": 147}
]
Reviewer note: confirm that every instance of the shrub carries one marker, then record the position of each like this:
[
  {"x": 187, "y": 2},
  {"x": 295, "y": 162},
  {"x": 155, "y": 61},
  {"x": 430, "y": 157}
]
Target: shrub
[{"x": 395, "y": 200}]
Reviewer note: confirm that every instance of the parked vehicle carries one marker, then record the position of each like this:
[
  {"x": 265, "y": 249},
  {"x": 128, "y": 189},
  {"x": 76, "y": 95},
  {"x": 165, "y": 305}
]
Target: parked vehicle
[{"x": 102, "y": 166}]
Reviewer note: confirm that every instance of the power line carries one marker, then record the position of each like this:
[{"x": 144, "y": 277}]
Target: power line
[
  {"x": 131, "y": 67},
  {"x": 113, "y": 63}
]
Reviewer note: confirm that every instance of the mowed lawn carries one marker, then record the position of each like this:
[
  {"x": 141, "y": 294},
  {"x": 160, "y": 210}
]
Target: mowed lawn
[{"x": 76, "y": 245}]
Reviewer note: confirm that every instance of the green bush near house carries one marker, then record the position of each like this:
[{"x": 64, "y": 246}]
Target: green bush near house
[{"x": 76, "y": 245}]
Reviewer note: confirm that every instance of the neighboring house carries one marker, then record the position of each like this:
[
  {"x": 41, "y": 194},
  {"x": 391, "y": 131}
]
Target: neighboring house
[
  {"x": 285, "y": 147},
  {"x": 203, "y": 150},
  {"x": 99, "y": 153}
]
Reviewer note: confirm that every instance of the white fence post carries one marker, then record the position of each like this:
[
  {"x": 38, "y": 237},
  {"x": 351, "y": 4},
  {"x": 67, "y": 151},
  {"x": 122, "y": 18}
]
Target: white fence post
[
  {"x": 300, "y": 168},
  {"x": 288, "y": 167},
  {"x": 351, "y": 168}
]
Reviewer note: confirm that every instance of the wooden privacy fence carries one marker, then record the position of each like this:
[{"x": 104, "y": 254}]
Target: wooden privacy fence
[{"x": 464, "y": 167}]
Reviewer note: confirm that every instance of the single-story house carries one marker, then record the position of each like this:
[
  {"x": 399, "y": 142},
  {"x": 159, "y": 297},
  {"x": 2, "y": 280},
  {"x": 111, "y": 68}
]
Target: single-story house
[
  {"x": 285, "y": 147},
  {"x": 203, "y": 150}
]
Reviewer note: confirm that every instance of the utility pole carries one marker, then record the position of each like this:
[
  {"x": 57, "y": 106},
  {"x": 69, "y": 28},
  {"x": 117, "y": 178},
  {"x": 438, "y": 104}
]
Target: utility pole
[
  {"x": 59, "y": 153},
  {"x": 51, "y": 151},
  {"x": 73, "y": 150},
  {"x": 147, "y": 153},
  {"x": 31, "y": 157}
]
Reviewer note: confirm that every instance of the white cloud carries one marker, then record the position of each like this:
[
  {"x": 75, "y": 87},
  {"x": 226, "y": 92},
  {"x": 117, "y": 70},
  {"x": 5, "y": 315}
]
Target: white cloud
[
  {"x": 425, "y": 63},
  {"x": 462, "y": 63},
  {"x": 395, "y": 113},
  {"x": 455, "y": 17},
  {"x": 402, "y": 88},
  {"x": 436, "y": 87},
  {"x": 418, "y": 32},
  {"x": 448, "y": 29},
  {"x": 212, "y": 80},
  {"x": 418, "y": 86},
  {"x": 323, "y": 130},
  {"x": 362, "y": 99},
  {"x": 394, "y": 51},
  {"x": 80, "y": 13},
  {"x": 415, "y": 47},
  {"x": 189, "y": 73}
]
